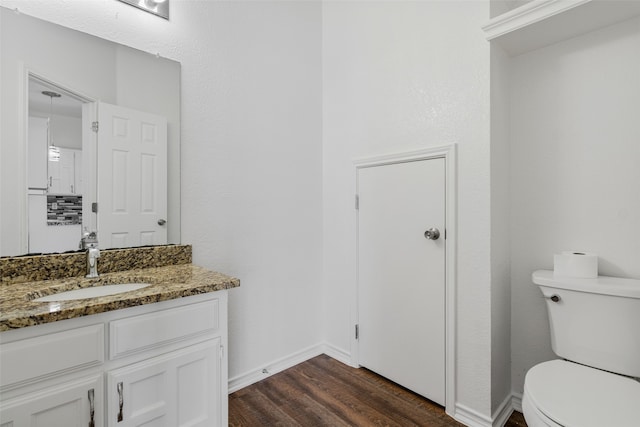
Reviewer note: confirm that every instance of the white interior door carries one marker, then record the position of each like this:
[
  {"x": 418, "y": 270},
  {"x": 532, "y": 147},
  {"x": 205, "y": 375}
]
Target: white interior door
[
  {"x": 132, "y": 177},
  {"x": 401, "y": 274}
]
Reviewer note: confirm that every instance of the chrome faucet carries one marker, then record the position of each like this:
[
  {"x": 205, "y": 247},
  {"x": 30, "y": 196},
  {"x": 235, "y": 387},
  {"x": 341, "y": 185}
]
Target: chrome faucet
[{"x": 89, "y": 242}]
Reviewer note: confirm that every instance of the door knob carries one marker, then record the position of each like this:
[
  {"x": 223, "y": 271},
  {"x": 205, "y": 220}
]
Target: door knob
[
  {"x": 162, "y": 221},
  {"x": 432, "y": 234}
]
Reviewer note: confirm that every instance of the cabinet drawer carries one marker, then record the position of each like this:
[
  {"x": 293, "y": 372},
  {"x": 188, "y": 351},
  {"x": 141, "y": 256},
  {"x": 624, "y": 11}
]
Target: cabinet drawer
[
  {"x": 48, "y": 355},
  {"x": 147, "y": 331}
]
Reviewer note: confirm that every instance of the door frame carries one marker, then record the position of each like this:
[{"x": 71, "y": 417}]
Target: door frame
[
  {"x": 448, "y": 153},
  {"x": 25, "y": 74}
]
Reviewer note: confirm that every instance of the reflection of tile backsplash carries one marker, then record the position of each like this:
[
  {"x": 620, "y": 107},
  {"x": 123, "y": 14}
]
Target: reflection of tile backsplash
[{"x": 64, "y": 209}]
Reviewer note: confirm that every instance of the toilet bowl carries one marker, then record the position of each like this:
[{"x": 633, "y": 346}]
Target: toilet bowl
[
  {"x": 595, "y": 327},
  {"x": 561, "y": 393}
]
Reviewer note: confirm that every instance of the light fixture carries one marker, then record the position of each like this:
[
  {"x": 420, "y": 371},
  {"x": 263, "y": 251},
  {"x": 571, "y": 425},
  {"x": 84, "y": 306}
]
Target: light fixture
[
  {"x": 157, "y": 7},
  {"x": 54, "y": 152}
]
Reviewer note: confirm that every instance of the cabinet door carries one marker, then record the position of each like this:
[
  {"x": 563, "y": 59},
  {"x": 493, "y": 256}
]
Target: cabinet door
[
  {"x": 72, "y": 404},
  {"x": 62, "y": 173},
  {"x": 181, "y": 388},
  {"x": 77, "y": 171},
  {"x": 37, "y": 166}
]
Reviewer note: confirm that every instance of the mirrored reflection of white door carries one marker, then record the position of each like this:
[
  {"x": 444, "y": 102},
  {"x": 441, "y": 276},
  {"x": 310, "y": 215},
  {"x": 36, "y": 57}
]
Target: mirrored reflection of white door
[{"x": 131, "y": 177}]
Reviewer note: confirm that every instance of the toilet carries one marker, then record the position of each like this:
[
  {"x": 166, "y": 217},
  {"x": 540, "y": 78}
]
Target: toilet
[{"x": 595, "y": 329}]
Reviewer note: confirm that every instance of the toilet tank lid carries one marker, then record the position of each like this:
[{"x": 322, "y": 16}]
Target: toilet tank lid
[
  {"x": 575, "y": 395},
  {"x": 605, "y": 285}
]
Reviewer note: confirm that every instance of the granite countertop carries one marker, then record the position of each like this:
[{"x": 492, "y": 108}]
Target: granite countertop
[{"x": 18, "y": 310}]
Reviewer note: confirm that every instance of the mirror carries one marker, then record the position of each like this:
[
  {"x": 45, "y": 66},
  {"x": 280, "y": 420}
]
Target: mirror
[{"x": 38, "y": 56}]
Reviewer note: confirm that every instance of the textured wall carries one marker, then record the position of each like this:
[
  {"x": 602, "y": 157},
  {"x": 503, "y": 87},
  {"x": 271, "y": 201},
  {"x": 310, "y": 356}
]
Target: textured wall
[
  {"x": 499, "y": 7},
  {"x": 401, "y": 76},
  {"x": 574, "y": 169}
]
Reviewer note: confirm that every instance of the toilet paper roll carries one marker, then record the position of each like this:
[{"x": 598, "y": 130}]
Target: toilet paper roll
[{"x": 575, "y": 264}]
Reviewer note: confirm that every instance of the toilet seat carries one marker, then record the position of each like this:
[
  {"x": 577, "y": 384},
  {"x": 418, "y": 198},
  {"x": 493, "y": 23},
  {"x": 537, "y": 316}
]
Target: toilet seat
[
  {"x": 533, "y": 416},
  {"x": 573, "y": 395}
]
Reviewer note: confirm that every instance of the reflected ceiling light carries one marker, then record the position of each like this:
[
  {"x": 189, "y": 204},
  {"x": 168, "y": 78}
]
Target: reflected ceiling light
[
  {"x": 54, "y": 152},
  {"x": 157, "y": 7}
]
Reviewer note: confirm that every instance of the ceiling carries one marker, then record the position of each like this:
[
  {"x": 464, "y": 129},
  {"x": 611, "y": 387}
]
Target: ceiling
[{"x": 39, "y": 104}]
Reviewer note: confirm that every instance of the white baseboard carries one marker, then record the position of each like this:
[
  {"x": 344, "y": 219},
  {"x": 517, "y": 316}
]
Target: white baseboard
[
  {"x": 516, "y": 401},
  {"x": 471, "y": 417},
  {"x": 504, "y": 411},
  {"x": 279, "y": 365},
  {"x": 251, "y": 377},
  {"x": 338, "y": 354}
]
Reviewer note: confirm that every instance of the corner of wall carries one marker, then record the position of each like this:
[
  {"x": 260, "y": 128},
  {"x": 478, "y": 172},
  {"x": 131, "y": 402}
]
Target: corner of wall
[{"x": 500, "y": 233}]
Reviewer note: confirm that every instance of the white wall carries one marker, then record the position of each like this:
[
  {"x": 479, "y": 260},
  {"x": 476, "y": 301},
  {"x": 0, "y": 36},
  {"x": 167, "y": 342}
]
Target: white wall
[
  {"x": 251, "y": 152},
  {"x": 499, "y": 7},
  {"x": 500, "y": 232},
  {"x": 575, "y": 169},
  {"x": 67, "y": 131},
  {"x": 401, "y": 76},
  {"x": 252, "y": 202}
]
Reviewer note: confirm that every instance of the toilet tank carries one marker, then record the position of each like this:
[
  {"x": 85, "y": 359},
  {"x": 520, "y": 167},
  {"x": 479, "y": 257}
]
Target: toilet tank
[{"x": 595, "y": 322}]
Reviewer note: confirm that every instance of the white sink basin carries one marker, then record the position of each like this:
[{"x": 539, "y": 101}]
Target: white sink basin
[{"x": 92, "y": 292}]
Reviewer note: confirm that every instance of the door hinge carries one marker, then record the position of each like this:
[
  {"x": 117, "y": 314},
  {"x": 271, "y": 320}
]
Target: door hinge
[
  {"x": 94, "y": 207},
  {"x": 357, "y": 331},
  {"x": 94, "y": 126},
  {"x": 357, "y": 201}
]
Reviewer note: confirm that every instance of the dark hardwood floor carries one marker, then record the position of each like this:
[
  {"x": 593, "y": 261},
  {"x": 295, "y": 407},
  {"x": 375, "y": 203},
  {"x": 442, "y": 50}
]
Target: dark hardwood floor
[{"x": 325, "y": 392}]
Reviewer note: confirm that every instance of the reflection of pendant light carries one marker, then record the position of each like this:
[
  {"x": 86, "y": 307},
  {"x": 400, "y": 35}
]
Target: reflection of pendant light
[{"x": 54, "y": 152}]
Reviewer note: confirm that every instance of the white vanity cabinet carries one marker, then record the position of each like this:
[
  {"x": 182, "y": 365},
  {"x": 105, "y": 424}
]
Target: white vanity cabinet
[{"x": 160, "y": 364}]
